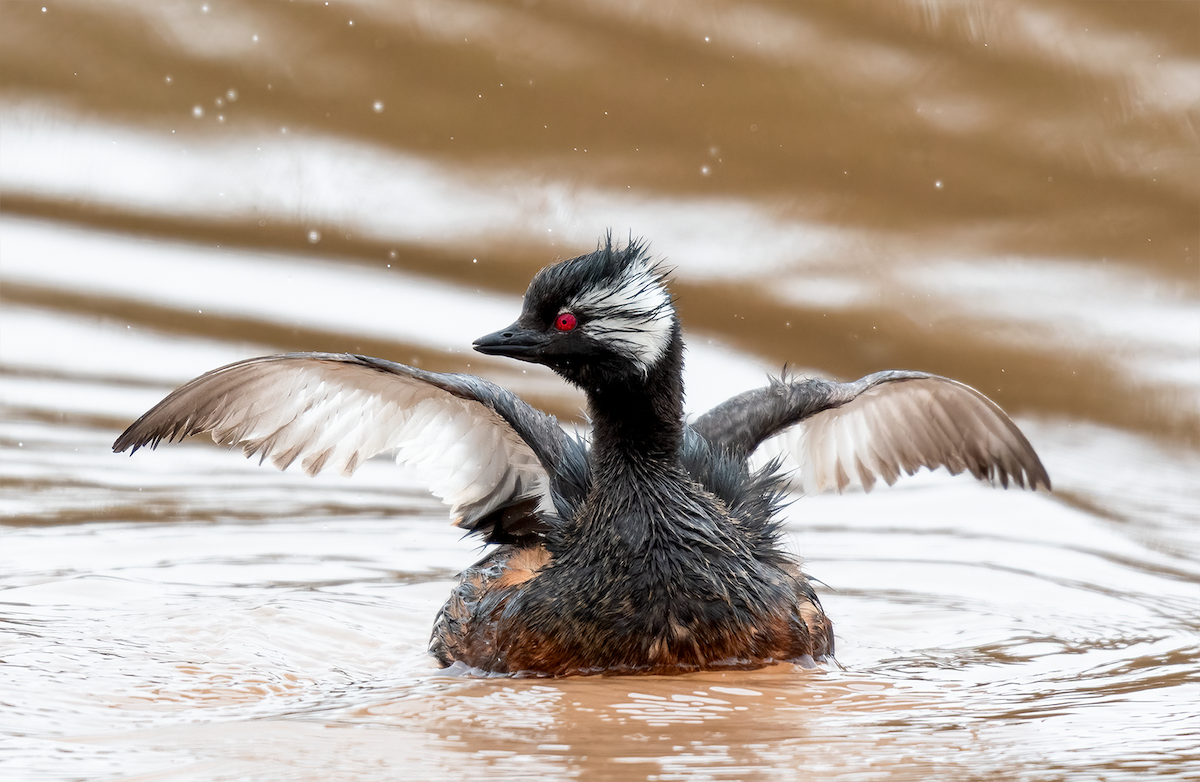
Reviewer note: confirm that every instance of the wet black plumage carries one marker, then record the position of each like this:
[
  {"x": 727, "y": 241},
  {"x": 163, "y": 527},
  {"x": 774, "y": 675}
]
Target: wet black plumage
[{"x": 652, "y": 547}]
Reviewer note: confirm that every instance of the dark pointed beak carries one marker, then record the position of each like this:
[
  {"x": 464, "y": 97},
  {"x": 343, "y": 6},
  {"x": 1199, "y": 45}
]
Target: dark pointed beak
[{"x": 515, "y": 342}]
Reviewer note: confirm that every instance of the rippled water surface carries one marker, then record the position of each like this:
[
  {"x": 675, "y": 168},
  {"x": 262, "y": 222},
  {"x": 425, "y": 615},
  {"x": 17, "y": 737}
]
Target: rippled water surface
[{"x": 1003, "y": 193}]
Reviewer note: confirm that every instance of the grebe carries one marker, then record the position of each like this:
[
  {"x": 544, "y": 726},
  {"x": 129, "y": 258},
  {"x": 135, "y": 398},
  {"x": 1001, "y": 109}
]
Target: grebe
[{"x": 652, "y": 549}]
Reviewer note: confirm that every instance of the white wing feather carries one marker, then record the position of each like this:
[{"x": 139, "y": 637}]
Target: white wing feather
[
  {"x": 898, "y": 427},
  {"x": 333, "y": 414}
]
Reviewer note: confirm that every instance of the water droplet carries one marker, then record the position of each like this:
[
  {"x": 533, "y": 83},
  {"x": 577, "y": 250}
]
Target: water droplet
[
  {"x": 314, "y": 237},
  {"x": 378, "y": 106},
  {"x": 705, "y": 170},
  {"x": 232, "y": 95},
  {"x": 197, "y": 111},
  {"x": 938, "y": 184},
  {"x": 204, "y": 8}
]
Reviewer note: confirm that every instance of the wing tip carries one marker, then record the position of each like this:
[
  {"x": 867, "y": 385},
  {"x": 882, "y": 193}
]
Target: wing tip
[
  {"x": 135, "y": 438},
  {"x": 1028, "y": 475},
  {"x": 1039, "y": 479},
  {"x": 124, "y": 442}
]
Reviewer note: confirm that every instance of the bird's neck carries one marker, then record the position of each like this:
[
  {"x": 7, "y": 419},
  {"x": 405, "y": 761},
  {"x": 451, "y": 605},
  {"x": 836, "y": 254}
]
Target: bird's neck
[{"x": 637, "y": 424}]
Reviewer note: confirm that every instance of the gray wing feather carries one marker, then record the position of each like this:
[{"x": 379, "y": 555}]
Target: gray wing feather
[
  {"x": 479, "y": 447},
  {"x": 842, "y": 434}
]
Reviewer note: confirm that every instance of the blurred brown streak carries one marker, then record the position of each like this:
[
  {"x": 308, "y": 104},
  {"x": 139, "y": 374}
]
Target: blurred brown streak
[{"x": 854, "y": 154}]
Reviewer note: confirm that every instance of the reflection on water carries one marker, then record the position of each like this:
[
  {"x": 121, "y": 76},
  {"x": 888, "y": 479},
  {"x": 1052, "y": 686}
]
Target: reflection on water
[{"x": 1006, "y": 195}]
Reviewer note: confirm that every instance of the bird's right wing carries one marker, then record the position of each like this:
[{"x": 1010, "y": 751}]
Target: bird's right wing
[
  {"x": 839, "y": 434},
  {"x": 479, "y": 447}
]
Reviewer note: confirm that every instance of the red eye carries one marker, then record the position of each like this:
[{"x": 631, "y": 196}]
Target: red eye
[{"x": 565, "y": 322}]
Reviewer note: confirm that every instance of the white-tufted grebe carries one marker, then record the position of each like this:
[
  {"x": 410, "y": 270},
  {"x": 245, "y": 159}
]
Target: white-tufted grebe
[{"x": 652, "y": 549}]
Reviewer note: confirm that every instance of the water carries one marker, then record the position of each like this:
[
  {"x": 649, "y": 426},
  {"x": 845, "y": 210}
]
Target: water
[{"x": 1005, "y": 195}]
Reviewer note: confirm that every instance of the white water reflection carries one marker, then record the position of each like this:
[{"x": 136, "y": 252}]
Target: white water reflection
[
  {"x": 273, "y": 287},
  {"x": 48, "y": 341},
  {"x": 379, "y": 193},
  {"x": 1152, "y": 324}
]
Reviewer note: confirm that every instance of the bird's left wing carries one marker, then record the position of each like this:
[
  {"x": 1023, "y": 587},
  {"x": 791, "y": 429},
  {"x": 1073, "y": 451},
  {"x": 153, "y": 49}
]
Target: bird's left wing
[
  {"x": 479, "y": 447},
  {"x": 888, "y": 423}
]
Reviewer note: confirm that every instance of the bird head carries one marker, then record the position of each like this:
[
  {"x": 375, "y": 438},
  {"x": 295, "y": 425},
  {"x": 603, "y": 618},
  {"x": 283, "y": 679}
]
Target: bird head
[{"x": 600, "y": 318}]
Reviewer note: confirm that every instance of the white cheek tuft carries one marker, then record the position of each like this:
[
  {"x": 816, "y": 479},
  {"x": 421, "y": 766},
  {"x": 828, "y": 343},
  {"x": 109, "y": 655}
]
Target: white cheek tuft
[{"x": 633, "y": 314}]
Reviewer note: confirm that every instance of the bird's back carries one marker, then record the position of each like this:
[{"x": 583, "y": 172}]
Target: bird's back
[{"x": 680, "y": 573}]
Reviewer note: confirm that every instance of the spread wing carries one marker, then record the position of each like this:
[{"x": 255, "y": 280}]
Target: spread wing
[
  {"x": 885, "y": 424},
  {"x": 479, "y": 447}
]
